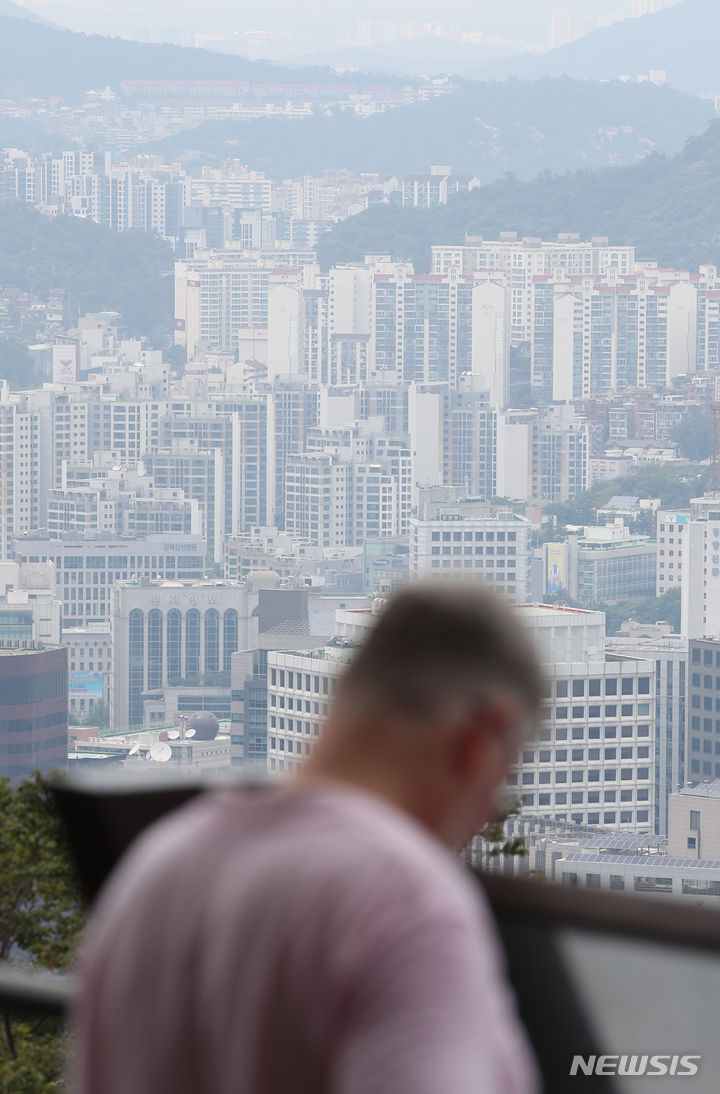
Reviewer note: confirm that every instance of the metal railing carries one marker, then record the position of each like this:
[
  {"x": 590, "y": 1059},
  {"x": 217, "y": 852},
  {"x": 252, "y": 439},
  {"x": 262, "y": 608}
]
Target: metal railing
[{"x": 43, "y": 993}]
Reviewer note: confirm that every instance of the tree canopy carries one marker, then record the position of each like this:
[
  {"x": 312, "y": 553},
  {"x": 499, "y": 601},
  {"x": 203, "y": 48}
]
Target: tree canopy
[
  {"x": 99, "y": 269},
  {"x": 693, "y": 435},
  {"x": 482, "y": 129},
  {"x": 674, "y": 486},
  {"x": 666, "y": 206},
  {"x": 41, "y": 914},
  {"x": 16, "y": 365}
]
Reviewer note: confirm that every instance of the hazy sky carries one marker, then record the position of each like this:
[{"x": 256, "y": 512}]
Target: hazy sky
[
  {"x": 524, "y": 20},
  {"x": 476, "y": 12}
]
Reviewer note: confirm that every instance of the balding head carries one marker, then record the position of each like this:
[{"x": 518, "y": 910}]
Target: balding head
[
  {"x": 433, "y": 706},
  {"x": 440, "y": 651}
]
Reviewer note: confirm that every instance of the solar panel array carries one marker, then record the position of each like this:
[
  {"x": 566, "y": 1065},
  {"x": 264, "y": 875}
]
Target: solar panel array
[
  {"x": 624, "y": 842},
  {"x": 644, "y": 860}
]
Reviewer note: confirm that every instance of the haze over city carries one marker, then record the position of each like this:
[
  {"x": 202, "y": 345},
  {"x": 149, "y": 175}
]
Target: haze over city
[
  {"x": 306, "y": 318},
  {"x": 509, "y": 26}
]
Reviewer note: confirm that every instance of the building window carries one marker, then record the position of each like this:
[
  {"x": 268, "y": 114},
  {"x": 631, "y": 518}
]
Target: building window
[
  {"x": 155, "y": 649},
  {"x": 230, "y": 637},
  {"x": 174, "y": 646},
  {"x": 136, "y": 666},
  {"x": 192, "y": 643},
  {"x": 212, "y": 640}
]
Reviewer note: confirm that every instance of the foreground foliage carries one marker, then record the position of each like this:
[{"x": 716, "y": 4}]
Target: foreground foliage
[{"x": 41, "y": 915}]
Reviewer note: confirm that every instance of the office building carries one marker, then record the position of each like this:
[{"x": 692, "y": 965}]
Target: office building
[
  {"x": 29, "y": 607},
  {"x": 89, "y": 667},
  {"x": 300, "y": 688},
  {"x": 703, "y": 756},
  {"x": 670, "y": 657},
  {"x": 671, "y": 526},
  {"x": 593, "y": 762},
  {"x": 86, "y": 567},
  {"x": 604, "y": 565},
  {"x": 172, "y": 644},
  {"x": 33, "y": 709},
  {"x": 473, "y": 539},
  {"x": 701, "y": 569}
]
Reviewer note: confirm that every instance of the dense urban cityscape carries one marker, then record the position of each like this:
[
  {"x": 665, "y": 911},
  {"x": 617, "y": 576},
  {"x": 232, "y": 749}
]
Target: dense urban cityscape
[{"x": 250, "y": 389}]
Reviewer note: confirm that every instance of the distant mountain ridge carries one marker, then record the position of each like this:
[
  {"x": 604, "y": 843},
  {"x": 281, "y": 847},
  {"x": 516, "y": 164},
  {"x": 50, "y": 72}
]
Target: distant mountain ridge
[
  {"x": 483, "y": 129},
  {"x": 682, "y": 39},
  {"x": 17, "y": 11},
  {"x": 38, "y": 60},
  {"x": 669, "y": 207}
]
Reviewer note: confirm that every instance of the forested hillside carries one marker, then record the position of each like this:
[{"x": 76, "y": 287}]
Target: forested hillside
[
  {"x": 128, "y": 272},
  {"x": 43, "y": 61},
  {"x": 483, "y": 129},
  {"x": 668, "y": 206}
]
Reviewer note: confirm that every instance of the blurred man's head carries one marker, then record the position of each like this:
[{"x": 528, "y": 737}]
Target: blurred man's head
[{"x": 434, "y": 705}]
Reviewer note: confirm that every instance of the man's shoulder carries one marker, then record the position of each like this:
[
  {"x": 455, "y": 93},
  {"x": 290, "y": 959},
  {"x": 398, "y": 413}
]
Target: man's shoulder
[{"x": 311, "y": 841}]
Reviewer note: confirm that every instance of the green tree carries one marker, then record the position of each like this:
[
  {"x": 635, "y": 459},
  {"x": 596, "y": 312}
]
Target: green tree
[
  {"x": 16, "y": 364},
  {"x": 41, "y": 914},
  {"x": 98, "y": 715},
  {"x": 646, "y": 609},
  {"x": 494, "y": 833},
  {"x": 694, "y": 436}
]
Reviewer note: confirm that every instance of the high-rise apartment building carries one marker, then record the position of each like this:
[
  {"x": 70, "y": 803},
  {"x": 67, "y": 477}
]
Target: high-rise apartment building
[
  {"x": 542, "y": 454},
  {"x": 565, "y": 27},
  {"x": 701, "y": 569},
  {"x": 597, "y": 334},
  {"x": 522, "y": 260},
  {"x": 24, "y": 464}
]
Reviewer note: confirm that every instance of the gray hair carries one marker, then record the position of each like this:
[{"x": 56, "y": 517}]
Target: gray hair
[{"x": 441, "y": 649}]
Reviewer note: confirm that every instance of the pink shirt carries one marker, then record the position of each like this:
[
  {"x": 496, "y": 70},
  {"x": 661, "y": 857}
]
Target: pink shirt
[{"x": 289, "y": 941}]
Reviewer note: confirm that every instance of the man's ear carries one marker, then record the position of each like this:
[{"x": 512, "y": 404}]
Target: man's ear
[{"x": 483, "y": 751}]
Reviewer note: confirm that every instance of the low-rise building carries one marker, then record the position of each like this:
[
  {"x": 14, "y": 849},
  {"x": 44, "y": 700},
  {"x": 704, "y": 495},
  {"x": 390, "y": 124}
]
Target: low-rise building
[{"x": 604, "y": 565}]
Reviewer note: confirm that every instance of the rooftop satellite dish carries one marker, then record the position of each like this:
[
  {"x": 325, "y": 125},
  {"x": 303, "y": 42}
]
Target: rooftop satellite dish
[
  {"x": 189, "y": 732},
  {"x": 173, "y": 734},
  {"x": 134, "y": 749},
  {"x": 160, "y": 752}
]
